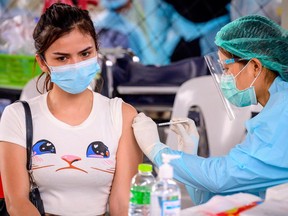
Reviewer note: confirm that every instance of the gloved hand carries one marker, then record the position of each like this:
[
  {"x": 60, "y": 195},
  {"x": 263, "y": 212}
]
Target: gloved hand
[
  {"x": 146, "y": 134},
  {"x": 187, "y": 135}
]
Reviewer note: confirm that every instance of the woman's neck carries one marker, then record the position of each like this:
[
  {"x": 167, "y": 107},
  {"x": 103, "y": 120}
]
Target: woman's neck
[
  {"x": 264, "y": 93},
  {"x": 68, "y": 108}
]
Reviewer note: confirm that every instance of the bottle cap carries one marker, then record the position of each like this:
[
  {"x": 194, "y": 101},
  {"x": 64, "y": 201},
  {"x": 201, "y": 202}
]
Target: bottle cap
[
  {"x": 145, "y": 167},
  {"x": 166, "y": 170}
]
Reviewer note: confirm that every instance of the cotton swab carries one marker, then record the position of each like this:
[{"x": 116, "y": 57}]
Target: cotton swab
[{"x": 171, "y": 122}]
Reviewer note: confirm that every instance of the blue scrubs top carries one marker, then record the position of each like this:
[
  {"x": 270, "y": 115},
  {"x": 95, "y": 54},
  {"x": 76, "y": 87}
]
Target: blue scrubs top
[
  {"x": 259, "y": 162},
  {"x": 166, "y": 27},
  {"x": 110, "y": 19},
  {"x": 154, "y": 38}
]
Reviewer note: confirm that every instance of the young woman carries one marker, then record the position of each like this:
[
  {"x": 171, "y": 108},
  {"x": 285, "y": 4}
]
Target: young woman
[{"x": 84, "y": 150}]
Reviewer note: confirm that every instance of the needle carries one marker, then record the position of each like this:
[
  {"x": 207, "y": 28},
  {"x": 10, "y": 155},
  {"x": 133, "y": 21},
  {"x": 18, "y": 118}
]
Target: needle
[{"x": 171, "y": 122}]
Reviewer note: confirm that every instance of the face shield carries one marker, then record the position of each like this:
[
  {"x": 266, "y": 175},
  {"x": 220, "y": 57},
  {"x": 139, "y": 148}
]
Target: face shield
[{"x": 217, "y": 71}]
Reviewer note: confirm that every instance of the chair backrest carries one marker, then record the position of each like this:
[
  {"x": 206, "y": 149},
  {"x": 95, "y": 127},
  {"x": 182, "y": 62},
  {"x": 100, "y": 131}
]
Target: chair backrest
[
  {"x": 222, "y": 133},
  {"x": 30, "y": 90}
]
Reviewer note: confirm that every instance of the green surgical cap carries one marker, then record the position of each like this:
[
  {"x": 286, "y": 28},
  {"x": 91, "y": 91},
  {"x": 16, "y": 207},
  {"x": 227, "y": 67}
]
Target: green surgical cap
[{"x": 258, "y": 37}]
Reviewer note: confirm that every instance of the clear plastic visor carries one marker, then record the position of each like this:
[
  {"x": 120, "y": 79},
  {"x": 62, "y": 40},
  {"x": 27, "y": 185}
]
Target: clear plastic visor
[{"x": 216, "y": 69}]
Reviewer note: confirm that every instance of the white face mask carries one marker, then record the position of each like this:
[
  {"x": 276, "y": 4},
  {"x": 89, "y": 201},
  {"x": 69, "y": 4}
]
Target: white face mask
[{"x": 75, "y": 78}]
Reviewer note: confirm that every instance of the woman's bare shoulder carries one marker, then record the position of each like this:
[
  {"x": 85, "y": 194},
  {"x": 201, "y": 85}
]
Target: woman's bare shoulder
[{"x": 129, "y": 112}]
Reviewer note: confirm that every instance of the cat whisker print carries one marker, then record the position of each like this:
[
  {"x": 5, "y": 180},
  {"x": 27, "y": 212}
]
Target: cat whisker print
[
  {"x": 39, "y": 167},
  {"x": 111, "y": 171}
]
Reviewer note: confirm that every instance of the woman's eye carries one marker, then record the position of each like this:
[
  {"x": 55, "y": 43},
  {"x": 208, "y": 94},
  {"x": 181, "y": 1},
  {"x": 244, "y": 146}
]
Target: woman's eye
[
  {"x": 85, "y": 54},
  {"x": 62, "y": 58},
  {"x": 224, "y": 69}
]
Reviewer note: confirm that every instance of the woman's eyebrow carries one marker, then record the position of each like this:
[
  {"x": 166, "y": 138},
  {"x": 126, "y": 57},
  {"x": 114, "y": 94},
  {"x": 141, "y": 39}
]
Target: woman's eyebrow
[
  {"x": 86, "y": 49},
  {"x": 60, "y": 53},
  {"x": 66, "y": 54}
]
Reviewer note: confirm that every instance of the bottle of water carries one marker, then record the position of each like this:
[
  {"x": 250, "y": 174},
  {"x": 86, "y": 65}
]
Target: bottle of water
[
  {"x": 140, "y": 191},
  {"x": 166, "y": 194}
]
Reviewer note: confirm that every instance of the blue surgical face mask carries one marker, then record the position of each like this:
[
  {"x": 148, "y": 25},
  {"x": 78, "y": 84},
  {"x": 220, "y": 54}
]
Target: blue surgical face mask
[
  {"x": 75, "y": 78},
  {"x": 239, "y": 98}
]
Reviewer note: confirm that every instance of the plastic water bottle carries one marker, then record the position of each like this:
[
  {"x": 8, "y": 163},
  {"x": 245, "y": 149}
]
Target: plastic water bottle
[
  {"x": 140, "y": 191},
  {"x": 166, "y": 194}
]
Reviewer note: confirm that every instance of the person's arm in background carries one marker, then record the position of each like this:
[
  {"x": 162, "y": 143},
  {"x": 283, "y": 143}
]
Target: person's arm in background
[{"x": 129, "y": 155}]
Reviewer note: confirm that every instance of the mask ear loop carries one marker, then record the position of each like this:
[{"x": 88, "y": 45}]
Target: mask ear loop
[
  {"x": 242, "y": 69},
  {"x": 256, "y": 77},
  {"x": 49, "y": 69}
]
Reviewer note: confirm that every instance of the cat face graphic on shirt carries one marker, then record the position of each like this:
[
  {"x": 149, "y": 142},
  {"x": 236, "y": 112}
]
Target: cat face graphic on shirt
[{"x": 94, "y": 156}]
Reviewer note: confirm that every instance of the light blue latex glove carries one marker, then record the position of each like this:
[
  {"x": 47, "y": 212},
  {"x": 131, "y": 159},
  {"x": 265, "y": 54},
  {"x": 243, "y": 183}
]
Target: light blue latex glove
[
  {"x": 187, "y": 134},
  {"x": 147, "y": 136}
]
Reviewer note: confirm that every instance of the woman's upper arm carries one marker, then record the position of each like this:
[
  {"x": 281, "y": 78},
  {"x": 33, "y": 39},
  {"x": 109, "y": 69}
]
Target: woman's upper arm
[
  {"x": 13, "y": 152},
  {"x": 129, "y": 155},
  {"x": 14, "y": 174}
]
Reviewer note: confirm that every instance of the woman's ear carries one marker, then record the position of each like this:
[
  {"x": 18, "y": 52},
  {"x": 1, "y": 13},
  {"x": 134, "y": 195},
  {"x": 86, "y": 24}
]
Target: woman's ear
[
  {"x": 41, "y": 63},
  {"x": 257, "y": 66}
]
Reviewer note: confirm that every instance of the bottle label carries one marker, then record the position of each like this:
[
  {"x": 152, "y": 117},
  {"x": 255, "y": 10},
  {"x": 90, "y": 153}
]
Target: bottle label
[
  {"x": 171, "y": 207},
  {"x": 140, "y": 195},
  {"x": 165, "y": 206}
]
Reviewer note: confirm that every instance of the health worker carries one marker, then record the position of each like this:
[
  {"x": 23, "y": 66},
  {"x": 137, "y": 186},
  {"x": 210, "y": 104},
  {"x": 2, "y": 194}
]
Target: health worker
[{"x": 253, "y": 55}]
